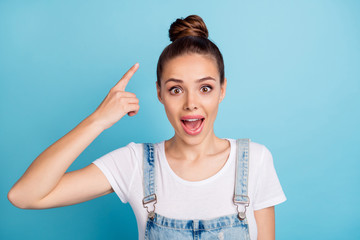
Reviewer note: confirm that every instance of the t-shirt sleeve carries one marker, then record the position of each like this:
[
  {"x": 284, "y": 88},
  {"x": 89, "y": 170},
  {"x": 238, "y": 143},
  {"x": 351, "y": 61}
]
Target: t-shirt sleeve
[
  {"x": 268, "y": 191},
  {"x": 119, "y": 167}
]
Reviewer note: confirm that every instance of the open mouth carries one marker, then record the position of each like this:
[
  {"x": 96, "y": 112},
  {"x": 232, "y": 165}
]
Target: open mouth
[{"x": 193, "y": 126}]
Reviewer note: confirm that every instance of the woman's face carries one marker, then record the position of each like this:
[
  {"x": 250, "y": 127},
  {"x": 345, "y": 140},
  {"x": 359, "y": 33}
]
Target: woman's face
[{"x": 191, "y": 92}]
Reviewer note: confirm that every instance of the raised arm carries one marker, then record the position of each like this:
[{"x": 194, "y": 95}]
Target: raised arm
[{"x": 45, "y": 184}]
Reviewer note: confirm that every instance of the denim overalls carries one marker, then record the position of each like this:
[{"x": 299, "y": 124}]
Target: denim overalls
[{"x": 233, "y": 226}]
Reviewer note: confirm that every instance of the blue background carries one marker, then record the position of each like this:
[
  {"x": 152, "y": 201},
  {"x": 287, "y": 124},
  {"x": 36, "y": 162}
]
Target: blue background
[{"x": 293, "y": 85}]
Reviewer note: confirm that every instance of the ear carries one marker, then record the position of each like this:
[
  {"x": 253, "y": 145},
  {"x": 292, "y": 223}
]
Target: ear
[
  {"x": 158, "y": 92},
  {"x": 223, "y": 90}
]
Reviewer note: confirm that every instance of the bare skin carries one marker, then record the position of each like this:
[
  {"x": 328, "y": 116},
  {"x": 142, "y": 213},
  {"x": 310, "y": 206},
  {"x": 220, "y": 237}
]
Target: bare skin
[
  {"x": 198, "y": 157},
  {"x": 45, "y": 184},
  {"x": 198, "y": 169},
  {"x": 193, "y": 157},
  {"x": 265, "y": 221}
]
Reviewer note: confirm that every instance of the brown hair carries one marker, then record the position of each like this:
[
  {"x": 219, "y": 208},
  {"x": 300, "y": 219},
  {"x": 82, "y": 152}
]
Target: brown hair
[{"x": 189, "y": 35}]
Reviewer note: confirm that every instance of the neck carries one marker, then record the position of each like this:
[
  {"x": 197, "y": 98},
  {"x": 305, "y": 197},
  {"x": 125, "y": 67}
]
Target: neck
[{"x": 190, "y": 150}]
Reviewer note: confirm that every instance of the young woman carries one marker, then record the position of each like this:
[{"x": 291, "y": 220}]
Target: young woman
[{"x": 192, "y": 186}]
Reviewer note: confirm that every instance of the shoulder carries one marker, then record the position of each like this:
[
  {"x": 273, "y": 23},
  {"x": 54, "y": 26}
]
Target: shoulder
[
  {"x": 260, "y": 160},
  {"x": 134, "y": 149},
  {"x": 255, "y": 148},
  {"x": 258, "y": 153},
  {"x": 259, "y": 149},
  {"x": 130, "y": 152},
  {"x": 130, "y": 147}
]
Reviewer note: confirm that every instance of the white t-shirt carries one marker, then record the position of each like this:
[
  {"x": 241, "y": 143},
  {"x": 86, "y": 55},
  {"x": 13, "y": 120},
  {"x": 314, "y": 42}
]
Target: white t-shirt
[{"x": 182, "y": 199}]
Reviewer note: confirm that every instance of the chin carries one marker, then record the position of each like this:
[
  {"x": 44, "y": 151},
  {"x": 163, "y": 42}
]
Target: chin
[{"x": 192, "y": 139}]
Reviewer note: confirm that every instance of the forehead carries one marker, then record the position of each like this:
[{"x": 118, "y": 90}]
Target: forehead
[{"x": 190, "y": 67}]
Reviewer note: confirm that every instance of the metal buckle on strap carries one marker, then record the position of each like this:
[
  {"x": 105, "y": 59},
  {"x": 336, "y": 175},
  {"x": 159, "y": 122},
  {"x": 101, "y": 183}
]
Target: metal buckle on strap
[
  {"x": 247, "y": 201},
  {"x": 241, "y": 215},
  {"x": 152, "y": 199}
]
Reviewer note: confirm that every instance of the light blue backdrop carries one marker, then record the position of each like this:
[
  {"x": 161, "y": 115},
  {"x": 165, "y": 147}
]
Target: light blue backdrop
[{"x": 293, "y": 85}]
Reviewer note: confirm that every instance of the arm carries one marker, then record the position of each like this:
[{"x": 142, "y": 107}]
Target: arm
[
  {"x": 265, "y": 221},
  {"x": 45, "y": 183},
  {"x": 48, "y": 170}
]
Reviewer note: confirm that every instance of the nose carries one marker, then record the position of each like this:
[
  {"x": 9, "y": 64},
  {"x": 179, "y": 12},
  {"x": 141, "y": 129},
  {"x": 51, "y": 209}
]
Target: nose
[{"x": 190, "y": 103}]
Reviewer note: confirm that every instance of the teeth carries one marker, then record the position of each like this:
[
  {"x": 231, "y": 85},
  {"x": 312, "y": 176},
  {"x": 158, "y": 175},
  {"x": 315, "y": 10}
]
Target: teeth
[{"x": 191, "y": 120}]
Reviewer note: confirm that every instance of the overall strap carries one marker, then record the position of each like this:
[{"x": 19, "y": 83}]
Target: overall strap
[
  {"x": 241, "y": 175},
  {"x": 149, "y": 183}
]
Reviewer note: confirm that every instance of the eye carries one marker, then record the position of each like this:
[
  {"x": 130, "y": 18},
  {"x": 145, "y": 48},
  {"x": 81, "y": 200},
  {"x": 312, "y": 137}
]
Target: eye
[
  {"x": 206, "y": 89},
  {"x": 175, "y": 90}
]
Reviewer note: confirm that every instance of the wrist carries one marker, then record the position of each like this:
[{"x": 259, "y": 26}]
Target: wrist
[{"x": 94, "y": 122}]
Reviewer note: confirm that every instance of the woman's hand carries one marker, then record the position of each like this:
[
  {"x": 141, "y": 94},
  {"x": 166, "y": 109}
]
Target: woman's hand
[{"x": 118, "y": 102}]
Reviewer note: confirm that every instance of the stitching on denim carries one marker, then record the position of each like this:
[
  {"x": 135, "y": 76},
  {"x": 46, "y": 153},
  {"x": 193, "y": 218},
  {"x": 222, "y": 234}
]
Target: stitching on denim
[
  {"x": 240, "y": 224},
  {"x": 146, "y": 230}
]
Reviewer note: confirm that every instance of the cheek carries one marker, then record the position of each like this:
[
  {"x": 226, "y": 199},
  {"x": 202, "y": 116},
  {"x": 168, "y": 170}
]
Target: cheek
[
  {"x": 212, "y": 102},
  {"x": 170, "y": 110}
]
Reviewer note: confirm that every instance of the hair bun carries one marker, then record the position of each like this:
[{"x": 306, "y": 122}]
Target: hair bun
[{"x": 192, "y": 25}]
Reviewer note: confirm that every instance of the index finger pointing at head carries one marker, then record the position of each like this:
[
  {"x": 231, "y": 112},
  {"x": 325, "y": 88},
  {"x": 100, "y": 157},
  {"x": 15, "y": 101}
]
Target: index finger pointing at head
[{"x": 121, "y": 85}]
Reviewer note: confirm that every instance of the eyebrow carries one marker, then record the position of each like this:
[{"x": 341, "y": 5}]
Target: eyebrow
[{"x": 181, "y": 81}]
